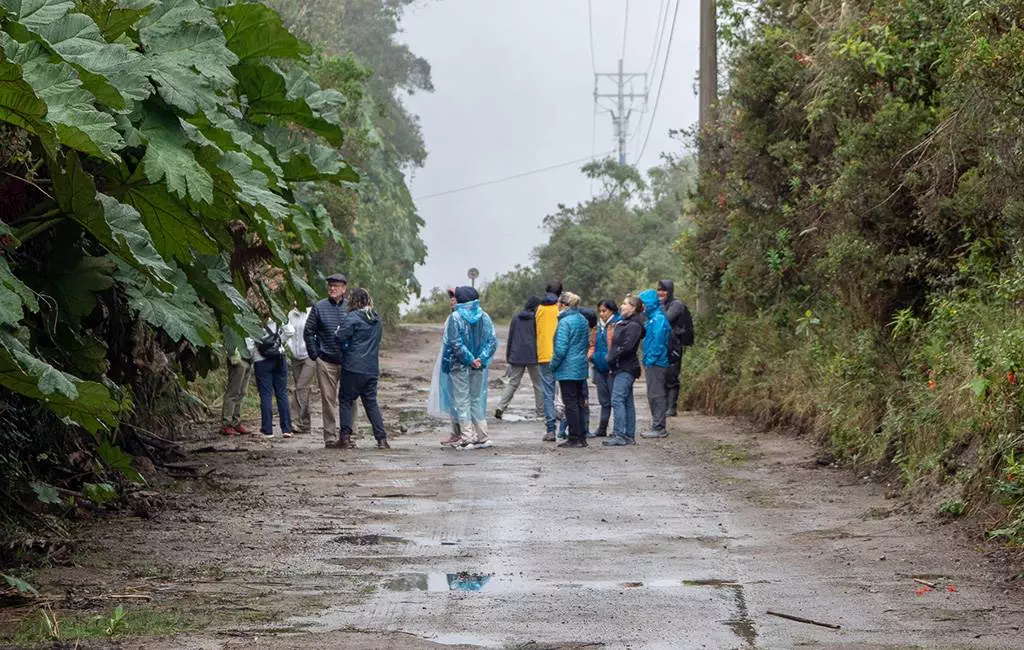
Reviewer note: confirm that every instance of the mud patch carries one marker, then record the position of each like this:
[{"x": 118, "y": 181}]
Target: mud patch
[{"x": 369, "y": 540}]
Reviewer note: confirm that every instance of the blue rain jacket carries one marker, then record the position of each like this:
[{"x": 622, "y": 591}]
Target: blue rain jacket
[
  {"x": 600, "y": 358},
  {"x": 572, "y": 340},
  {"x": 656, "y": 340},
  {"x": 468, "y": 335}
]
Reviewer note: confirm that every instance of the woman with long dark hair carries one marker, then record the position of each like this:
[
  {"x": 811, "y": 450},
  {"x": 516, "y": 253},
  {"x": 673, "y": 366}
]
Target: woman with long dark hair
[{"x": 624, "y": 368}]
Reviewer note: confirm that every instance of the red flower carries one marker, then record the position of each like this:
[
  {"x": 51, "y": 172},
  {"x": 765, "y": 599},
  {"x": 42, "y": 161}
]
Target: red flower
[
  {"x": 1012, "y": 378},
  {"x": 721, "y": 201},
  {"x": 931, "y": 384},
  {"x": 951, "y": 589}
]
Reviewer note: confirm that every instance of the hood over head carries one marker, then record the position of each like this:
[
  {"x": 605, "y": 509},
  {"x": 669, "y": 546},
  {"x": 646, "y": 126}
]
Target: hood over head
[
  {"x": 590, "y": 315},
  {"x": 470, "y": 311},
  {"x": 650, "y": 299},
  {"x": 466, "y": 294},
  {"x": 668, "y": 286},
  {"x": 532, "y": 303}
]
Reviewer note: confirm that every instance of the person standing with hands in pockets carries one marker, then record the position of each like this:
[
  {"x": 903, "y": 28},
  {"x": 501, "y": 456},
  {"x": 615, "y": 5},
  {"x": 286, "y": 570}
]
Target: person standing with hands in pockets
[{"x": 322, "y": 348}]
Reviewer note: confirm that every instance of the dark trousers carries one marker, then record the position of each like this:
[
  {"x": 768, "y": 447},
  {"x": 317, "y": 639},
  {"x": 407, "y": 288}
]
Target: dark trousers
[
  {"x": 272, "y": 381},
  {"x": 572, "y": 397},
  {"x": 603, "y": 382},
  {"x": 363, "y": 387}
]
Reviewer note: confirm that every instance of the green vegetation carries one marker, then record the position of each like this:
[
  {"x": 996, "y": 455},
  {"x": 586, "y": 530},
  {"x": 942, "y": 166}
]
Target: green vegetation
[
  {"x": 47, "y": 627},
  {"x": 859, "y": 234}
]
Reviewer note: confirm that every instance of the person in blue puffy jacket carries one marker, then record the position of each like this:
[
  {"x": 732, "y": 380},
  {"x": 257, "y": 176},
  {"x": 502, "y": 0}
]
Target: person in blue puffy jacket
[
  {"x": 607, "y": 316},
  {"x": 468, "y": 347},
  {"x": 656, "y": 348},
  {"x": 569, "y": 365}
]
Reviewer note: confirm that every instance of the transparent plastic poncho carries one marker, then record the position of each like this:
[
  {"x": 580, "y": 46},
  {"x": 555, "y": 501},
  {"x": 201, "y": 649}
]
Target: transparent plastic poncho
[{"x": 468, "y": 334}]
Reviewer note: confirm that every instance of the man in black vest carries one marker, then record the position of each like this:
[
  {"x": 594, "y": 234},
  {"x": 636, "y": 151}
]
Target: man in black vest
[
  {"x": 322, "y": 347},
  {"x": 679, "y": 319}
]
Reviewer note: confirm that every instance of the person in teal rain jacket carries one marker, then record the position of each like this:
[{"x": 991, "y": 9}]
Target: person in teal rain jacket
[
  {"x": 656, "y": 343},
  {"x": 468, "y": 347},
  {"x": 569, "y": 365}
]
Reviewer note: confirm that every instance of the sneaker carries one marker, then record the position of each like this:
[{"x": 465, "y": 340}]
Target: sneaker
[
  {"x": 549, "y": 436},
  {"x": 383, "y": 444},
  {"x": 242, "y": 429},
  {"x": 573, "y": 444},
  {"x": 497, "y": 414},
  {"x": 591, "y": 434},
  {"x": 227, "y": 430},
  {"x": 657, "y": 433},
  {"x": 267, "y": 435},
  {"x": 618, "y": 441},
  {"x": 452, "y": 441},
  {"x": 484, "y": 444},
  {"x": 563, "y": 436},
  {"x": 286, "y": 434}
]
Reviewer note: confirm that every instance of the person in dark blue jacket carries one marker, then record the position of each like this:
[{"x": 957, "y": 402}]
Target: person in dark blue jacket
[
  {"x": 656, "y": 362},
  {"x": 358, "y": 337},
  {"x": 569, "y": 365},
  {"x": 322, "y": 348},
  {"x": 521, "y": 356},
  {"x": 607, "y": 315},
  {"x": 624, "y": 369}
]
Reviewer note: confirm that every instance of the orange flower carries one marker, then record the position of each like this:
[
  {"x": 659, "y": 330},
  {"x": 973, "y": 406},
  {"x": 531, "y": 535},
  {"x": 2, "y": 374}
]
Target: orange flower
[{"x": 931, "y": 384}]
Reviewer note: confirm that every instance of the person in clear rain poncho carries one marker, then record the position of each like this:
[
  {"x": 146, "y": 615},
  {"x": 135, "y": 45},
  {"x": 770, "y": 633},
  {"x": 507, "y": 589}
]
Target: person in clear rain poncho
[{"x": 459, "y": 387}]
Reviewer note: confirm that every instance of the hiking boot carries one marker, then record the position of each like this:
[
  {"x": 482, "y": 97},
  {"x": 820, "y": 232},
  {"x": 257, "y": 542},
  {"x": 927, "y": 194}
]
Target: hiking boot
[
  {"x": 549, "y": 437},
  {"x": 383, "y": 444},
  {"x": 618, "y": 441},
  {"x": 453, "y": 441},
  {"x": 498, "y": 413},
  {"x": 573, "y": 443},
  {"x": 227, "y": 430},
  {"x": 657, "y": 433},
  {"x": 332, "y": 444},
  {"x": 242, "y": 429},
  {"x": 345, "y": 441}
]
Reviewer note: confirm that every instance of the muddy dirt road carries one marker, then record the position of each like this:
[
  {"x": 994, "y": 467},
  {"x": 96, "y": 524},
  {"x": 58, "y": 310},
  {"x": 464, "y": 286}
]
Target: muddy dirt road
[{"x": 686, "y": 542}]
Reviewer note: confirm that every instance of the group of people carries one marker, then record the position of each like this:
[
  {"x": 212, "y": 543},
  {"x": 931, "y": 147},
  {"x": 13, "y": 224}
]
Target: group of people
[
  {"x": 560, "y": 343},
  {"x": 337, "y": 342}
]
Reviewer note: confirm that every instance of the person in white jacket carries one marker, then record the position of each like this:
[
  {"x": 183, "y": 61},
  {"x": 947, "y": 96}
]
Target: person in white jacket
[{"x": 303, "y": 370}]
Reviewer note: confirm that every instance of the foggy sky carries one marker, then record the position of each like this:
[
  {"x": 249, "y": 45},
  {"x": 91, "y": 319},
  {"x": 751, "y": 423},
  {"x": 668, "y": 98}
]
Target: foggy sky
[{"x": 513, "y": 93}]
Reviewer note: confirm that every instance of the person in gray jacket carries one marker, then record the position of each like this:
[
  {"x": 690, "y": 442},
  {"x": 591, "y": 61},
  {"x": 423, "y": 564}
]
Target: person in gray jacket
[{"x": 521, "y": 356}]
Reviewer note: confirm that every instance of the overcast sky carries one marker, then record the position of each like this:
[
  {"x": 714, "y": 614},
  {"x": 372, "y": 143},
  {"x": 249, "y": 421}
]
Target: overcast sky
[{"x": 514, "y": 88}]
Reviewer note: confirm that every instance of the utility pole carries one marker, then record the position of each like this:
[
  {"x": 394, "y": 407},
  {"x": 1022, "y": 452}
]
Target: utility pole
[
  {"x": 708, "y": 103},
  {"x": 621, "y": 113}
]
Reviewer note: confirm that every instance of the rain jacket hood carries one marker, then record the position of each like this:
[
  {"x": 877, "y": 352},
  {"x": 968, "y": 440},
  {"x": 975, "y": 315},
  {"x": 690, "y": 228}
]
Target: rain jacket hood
[
  {"x": 470, "y": 311},
  {"x": 670, "y": 287},
  {"x": 656, "y": 340}
]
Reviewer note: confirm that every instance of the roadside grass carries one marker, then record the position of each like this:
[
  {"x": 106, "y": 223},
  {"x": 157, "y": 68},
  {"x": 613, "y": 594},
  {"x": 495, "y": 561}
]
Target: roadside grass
[
  {"x": 45, "y": 626},
  {"x": 725, "y": 453}
]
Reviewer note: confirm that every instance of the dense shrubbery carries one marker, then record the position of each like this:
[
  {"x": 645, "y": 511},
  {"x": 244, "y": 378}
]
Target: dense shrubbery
[{"x": 860, "y": 228}]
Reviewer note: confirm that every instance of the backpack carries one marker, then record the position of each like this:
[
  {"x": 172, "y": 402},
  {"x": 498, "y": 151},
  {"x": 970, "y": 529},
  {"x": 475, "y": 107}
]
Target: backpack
[
  {"x": 688, "y": 322},
  {"x": 270, "y": 344}
]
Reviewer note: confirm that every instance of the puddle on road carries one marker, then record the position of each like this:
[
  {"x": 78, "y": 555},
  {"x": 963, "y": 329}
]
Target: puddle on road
[
  {"x": 368, "y": 540},
  {"x": 740, "y": 624},
  {"x": 492, "y": 583}
]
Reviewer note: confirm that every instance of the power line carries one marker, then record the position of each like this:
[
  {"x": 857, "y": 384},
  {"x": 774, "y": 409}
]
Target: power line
[
  {"x": 514, "y": 176},
  {"x": 661, "y": 82},
  {"x": 659, "y": 37},
  {"x": 625, "y": 30},
  {"x": 590, "y": 25}
]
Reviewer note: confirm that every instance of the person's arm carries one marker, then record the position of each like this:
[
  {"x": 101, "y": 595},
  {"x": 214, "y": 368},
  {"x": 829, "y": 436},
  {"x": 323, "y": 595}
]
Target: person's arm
[
  {"x": 592, "y": 344},
  {"x": 491, "y": 344},
  {"x": 513, "y": 326},
  {"x": 561, "y": 346},
  {"x": 309, "y": 334}
]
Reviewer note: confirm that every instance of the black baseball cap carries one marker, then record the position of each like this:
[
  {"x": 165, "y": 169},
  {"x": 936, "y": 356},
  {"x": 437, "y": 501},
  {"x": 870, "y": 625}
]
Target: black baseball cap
[{"x": 337, "y": 277}]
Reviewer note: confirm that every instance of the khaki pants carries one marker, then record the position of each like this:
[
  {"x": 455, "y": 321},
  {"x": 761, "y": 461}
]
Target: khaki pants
[
  {"x": 239, "y": 376},
  {"x": 300, "y": 386},
  {"x": 515, "y": 377},
  {"x": 327, "y": 377}
]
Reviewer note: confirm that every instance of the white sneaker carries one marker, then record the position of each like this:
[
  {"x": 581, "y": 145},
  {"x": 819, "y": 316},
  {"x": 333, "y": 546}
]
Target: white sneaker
[{"x": 476, "y": 445}]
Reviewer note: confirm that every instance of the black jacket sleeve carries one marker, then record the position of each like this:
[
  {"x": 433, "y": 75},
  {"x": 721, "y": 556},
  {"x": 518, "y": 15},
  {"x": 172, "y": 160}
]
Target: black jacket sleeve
[
  {"x": 309, "y": 334},
  {"x": 626, "y": 337},
  {"x": 679, "y": 318}
]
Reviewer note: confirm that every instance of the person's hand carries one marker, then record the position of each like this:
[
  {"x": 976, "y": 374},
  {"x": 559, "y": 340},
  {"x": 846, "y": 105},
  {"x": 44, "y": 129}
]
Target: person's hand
[{"x": 477, "y": 364}]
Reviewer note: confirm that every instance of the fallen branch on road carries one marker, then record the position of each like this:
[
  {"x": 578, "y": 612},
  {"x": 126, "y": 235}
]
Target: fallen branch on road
[{"x": 800, "y": 619}]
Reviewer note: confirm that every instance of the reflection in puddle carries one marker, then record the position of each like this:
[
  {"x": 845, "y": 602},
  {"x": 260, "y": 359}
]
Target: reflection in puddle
[
  {"x": 461, "y": 581},
  {"x": 489, "y": 582},
  {"x": 368, "y": 540}
]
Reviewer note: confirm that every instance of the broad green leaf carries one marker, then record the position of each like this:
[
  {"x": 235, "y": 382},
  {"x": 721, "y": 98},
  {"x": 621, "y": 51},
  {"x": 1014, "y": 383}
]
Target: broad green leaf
[
  {"x": 74, "y": 284},
  {"x": 116, "y": 459},
  {"x": 251, "y": 186},
  {"x": 85, "y": 403},
  {"x": 303, "y": 224},
  {"x": 229, "y": 135},
  {"x": 14, "y": 296},
  {"x": 78, "y": 123},
  {"x": 188, "y": 55},
  {"x": 99, "y": 493},
  {"x": 979, "y": 386},
  {"x": 176, "y": 232},
  {"x": 168, "y": 157},
  {"x": 114, "y": 72},
  {"x": 303, "y": 160},
  {"x": 118, "y": 227},
  {"x": 255, "y": 31},
  {"x": 178, "y": 313},
  {"x": 18, "y": 583},
  {"x": 46, "y": 493},
  {"x": 115, "y": 17},
  {"x": 270, "y": 99},
  {"x": 20, "y": 106}
]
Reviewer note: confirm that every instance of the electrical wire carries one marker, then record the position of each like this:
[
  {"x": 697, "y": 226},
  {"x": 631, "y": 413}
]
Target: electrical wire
[
  {"x": 661, "y": 82},
  {"x": 513, "y": 176},
  {"x": 590, "y": 25},
  {"x": 625, "y": 30},
  {"x": 659, "y": 38}
]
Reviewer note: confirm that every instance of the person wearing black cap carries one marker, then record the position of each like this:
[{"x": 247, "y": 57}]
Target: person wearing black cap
[
  {"x": 322, "y": 347},
  {"x": 521, "y": 355},
  {"x": 681, "y": 322}
]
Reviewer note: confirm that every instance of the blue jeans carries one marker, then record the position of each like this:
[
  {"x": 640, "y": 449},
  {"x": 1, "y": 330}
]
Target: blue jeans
[
  {"x": 547, "y": 377},
  {"x": 622, "y": 405},
  {"x": 272, "y": 381}
]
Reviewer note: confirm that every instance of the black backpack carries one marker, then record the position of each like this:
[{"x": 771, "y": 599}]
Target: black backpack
[{"x": 270, "y": 345}]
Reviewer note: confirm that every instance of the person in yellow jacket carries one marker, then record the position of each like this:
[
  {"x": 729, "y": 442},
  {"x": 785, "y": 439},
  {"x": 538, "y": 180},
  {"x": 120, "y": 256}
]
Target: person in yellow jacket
[{"x": 547, "y": 323}]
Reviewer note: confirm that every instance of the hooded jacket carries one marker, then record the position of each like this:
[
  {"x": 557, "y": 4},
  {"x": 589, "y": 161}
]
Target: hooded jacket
[
  {"x": 469, "y": 334},
  {"x": 358, "y": 337},
  {"x": 656, "y": 340},
  {"x": 323, "y": 321},
  {"x": 626, "y": 337},
  {"x": 547, "y": 323},
  {"x": 600, "y": 356},
  {"x": 679, "y": 320},
  {"x": 522, "y": 337},
  {"x": 572, "y": 338}
]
